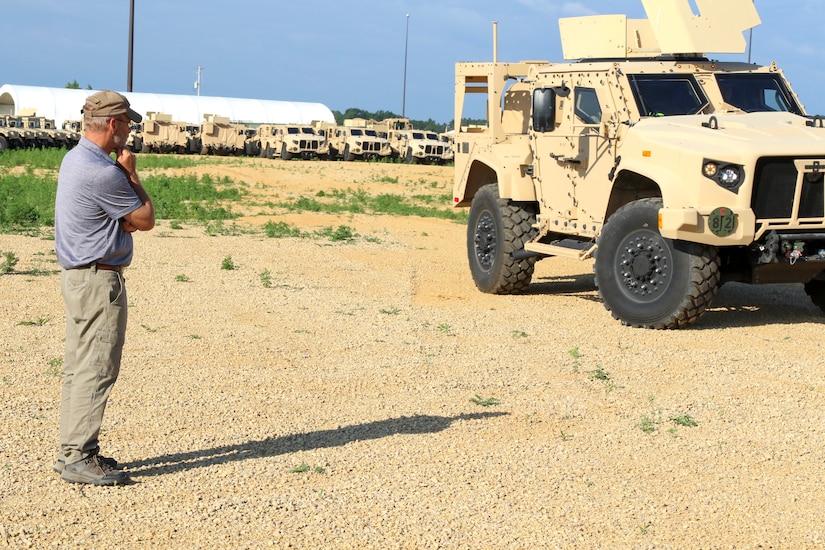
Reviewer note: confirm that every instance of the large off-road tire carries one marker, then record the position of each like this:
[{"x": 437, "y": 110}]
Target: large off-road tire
[
  {"x": 285, "y": 155},
  {"x": 646, "y": 280},
  {"x": 4, "y": 143},
  {"x": 815, "y": 289},
  {"x": 496, "y": 228},
  {"x": 348, "y": 157}
]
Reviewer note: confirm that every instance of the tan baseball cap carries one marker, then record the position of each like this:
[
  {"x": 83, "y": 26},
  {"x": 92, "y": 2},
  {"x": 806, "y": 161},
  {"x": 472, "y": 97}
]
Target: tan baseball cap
[{"x": 108, "y": 103}]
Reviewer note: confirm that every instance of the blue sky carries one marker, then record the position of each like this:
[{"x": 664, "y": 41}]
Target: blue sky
[{"x": 321, "y": 51}]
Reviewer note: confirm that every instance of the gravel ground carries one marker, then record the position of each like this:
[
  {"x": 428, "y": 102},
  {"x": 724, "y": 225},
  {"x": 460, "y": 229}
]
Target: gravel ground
[{"x": 371, "y": 397}]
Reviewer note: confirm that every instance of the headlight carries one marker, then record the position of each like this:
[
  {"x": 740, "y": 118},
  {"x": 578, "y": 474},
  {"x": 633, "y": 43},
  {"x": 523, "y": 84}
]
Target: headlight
[{"x": 729, "y": 176}]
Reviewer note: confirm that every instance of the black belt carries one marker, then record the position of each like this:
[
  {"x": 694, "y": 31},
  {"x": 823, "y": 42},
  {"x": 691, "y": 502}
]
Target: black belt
[{"x": 104, "y": 267}]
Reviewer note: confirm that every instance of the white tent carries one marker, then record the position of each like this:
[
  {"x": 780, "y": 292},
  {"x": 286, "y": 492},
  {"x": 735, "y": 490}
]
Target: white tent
[{"x": 64, "y": 104}]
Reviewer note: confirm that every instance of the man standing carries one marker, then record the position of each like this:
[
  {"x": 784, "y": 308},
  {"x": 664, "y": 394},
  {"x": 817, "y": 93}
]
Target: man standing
[{"x": 100, "y": 203}]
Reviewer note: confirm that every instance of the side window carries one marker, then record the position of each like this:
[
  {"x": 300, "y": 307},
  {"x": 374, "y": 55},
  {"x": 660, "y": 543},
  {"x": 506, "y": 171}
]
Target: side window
[
  {"x": 588, "y": 109},
  {"x": 544, "y": 110}
]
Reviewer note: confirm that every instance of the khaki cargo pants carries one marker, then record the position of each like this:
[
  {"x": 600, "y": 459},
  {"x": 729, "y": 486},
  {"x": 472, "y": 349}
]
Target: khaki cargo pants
[{"x": 96, "y": 312}]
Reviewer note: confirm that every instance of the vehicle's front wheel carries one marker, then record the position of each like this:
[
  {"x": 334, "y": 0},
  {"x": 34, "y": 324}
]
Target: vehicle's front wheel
[
  {"x": 496, "y": 228},
  {"x": 285, "y": 155},
  {"x": 646, "y": 280}
]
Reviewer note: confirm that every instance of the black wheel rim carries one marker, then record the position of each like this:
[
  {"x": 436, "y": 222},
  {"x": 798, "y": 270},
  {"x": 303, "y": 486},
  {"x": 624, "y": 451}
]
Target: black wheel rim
[
  {"x": 643, "y": 266},
  {"x": 485, "y": 241}
]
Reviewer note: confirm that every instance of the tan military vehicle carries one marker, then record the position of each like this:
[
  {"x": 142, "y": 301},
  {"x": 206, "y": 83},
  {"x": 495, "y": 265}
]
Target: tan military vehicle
[
  {"x": 40, "y": 127},
  {"x": 10, "y": 136},
  {"x": 448, "y": 140},
  {"x": 355, "y": 141},
  {"x": 219, "y": 136},
  {"x": 158, "y": 133},
  {"x": 675, "y": 172},
  {"x": 288, "y": 141},
  {"x": 411, "y": 145},
  {"x": 17, "y": 134}
]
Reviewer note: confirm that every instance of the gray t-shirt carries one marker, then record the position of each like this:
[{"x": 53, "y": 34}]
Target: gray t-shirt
[{"x": 93, "y": 194}]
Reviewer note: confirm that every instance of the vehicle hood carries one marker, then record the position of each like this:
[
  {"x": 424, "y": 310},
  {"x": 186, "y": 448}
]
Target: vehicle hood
[{"x": 760, "y": 134}]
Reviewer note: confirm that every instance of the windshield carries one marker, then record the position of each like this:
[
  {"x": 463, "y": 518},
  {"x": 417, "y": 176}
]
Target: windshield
[
  {"x": 667, "y": 95},
  {"x": 356, "y": 133},
  {"x": 756, "y": 93}
]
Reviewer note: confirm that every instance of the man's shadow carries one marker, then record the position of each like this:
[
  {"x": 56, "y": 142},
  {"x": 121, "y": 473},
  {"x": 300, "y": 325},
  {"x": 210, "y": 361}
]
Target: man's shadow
[{"x": 273, "y": 446}]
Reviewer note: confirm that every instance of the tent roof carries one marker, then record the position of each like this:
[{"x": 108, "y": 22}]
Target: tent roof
[{"x": 64, "y": 104}]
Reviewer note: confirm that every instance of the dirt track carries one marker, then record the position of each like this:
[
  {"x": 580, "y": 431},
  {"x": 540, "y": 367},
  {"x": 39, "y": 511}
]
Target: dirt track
[{"x": 335, "y": 408}]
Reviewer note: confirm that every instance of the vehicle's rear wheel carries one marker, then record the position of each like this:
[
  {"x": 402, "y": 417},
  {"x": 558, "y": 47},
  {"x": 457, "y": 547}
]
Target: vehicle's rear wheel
[
  {"x": 646, "y": 280},
  {"x": 496, "y": 228}
]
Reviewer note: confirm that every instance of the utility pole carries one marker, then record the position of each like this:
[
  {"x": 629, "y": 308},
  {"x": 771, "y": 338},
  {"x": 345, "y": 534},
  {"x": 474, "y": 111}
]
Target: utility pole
[
  {"x": 406, "y": 44},
  {"x": 198, "y": 81},
  {"x": 131, "y": 45},
  {"x": 750, "y": 40}
]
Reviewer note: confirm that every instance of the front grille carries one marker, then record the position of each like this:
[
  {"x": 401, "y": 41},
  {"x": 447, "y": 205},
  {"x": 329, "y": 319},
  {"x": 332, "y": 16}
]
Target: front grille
[
  {"x": 775, "y": 184},
  {"x": 372, "y": 146},
  {"x": 435, "y": 150},
  {"x": 308, "y": 144}
]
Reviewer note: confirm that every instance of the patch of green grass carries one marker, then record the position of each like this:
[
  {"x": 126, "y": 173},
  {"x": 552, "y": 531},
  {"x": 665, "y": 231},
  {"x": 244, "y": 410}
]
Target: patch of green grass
[
  {"x": 684, "y": 420},
  {"x": 647, "y": 424},
  {"x": 9, "y": 261},
  {"x": 390, "y": 310},
  {"x": 599, "y": 374},
  {"x": 39, "y": 322},
  {"x": 192, "y": 198},
  {"x": 181, "y": 278},
  {"x": 444, "y": 328},
  {"x": 484, "y": 401},
  {"x": 361, "y": 202},
  {"x": 28, "y": 198},
  {"x": 337, "y": 234},
  {"x": 266, "y": 278},
  {"x": 41, "y": 159},
  {"x": 518, "y": 334},
  {"x": 576, "y": 355},
  {"x": 217, "y": 227},
  {"x": 55, "y": 367},
  {"x": 280, "y": 230},
  {"x": 304, "y": 467},
  {"x": 227, "y": 263}
]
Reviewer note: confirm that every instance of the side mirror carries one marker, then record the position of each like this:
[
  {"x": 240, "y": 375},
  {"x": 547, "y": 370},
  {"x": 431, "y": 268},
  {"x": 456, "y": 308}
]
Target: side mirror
[{"x": 544, "y": 110}]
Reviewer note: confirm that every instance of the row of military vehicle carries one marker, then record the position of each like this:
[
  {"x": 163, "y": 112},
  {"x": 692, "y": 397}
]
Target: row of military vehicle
[
  {"x": 356, "y": 139},
  {"x": 27, "y": 130}
]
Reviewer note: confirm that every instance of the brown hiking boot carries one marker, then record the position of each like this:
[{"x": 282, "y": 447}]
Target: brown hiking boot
[
  {"x": 105, "y": 462},
  {"x": 91, "y": 471}
]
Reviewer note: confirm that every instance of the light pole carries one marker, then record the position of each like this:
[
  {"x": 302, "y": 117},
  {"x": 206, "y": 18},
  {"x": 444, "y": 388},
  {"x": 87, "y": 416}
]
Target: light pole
[
  {"x": 406, "y": 44},
  {"x": 131, "y": 44}
]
